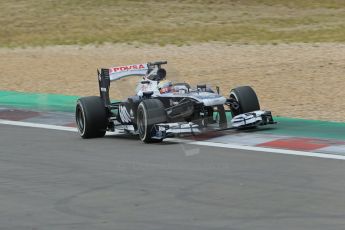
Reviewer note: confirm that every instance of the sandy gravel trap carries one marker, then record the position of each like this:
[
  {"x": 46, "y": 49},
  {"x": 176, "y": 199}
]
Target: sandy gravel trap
[{"x": 295, "y": 80}]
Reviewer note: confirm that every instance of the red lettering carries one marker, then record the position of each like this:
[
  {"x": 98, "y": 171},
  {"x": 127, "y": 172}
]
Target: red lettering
[{"x": 127, "y": 68}]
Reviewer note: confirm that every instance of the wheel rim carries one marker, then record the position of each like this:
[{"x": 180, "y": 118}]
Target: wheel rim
[
  {"x": 141, "y": 123},
  {"x": 80, "y": 120},
  {"x": 238, "y": 110}
]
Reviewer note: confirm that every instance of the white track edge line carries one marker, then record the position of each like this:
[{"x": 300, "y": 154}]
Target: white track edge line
[
  {"x": 271, "y": 150},
  {"x": 201, "y": 143},
  {"x": 261, "y": 149},
  {"x": 36, "y": 125}
]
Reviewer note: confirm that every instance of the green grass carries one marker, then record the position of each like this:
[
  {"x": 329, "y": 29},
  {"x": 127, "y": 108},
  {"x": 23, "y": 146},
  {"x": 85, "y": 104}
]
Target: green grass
[{"x": 180, "y": 22}]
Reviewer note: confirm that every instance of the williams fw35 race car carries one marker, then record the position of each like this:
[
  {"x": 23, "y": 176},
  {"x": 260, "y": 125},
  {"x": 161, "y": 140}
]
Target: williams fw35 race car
[{"x": 161, "y": 109}]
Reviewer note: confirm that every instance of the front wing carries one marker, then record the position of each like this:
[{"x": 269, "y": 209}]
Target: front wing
[{"x": 242, "y": 121}]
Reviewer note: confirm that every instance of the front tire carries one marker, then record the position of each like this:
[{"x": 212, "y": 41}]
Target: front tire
[
  {"x": 91, "y": 117},
  {"x": 150, "y": 112},
  {"x": 246, "y": 99}
]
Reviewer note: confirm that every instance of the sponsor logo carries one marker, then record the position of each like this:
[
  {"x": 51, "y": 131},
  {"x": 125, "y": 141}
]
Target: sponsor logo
[
  {"x": 127, "y": 68},
  {"x": 124, "y": 116}
]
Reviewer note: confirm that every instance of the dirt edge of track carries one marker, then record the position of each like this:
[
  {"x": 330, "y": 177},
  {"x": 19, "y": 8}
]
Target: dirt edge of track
[{"x": 293, "y": 80}]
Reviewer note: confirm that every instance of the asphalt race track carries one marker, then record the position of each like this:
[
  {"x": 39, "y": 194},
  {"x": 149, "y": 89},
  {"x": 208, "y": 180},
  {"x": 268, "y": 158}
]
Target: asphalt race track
[{"x": 54, "y": 180}]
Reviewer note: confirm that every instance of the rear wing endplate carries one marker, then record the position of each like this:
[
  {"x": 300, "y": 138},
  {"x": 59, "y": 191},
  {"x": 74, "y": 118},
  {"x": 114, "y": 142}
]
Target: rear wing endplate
[{"x": 105, "y": 76}]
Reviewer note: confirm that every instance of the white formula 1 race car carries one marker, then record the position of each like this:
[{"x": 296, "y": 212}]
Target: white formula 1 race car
[{"x": 161, "y": 109}]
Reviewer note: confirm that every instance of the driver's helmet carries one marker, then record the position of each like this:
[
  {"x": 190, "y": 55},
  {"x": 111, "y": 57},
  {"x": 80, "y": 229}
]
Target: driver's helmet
[{"x": 165, "y": 86}]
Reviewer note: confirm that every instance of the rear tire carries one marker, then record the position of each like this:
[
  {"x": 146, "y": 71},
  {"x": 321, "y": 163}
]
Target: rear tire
[
  {"x": 91, "y": 117},
  {"x": 150, "y": 112},
  {"x": 246, "y": 98}
]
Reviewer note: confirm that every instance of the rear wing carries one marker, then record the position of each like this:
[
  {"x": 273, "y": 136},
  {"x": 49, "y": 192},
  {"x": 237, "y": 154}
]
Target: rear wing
[
  {"x": 117, "y": 73},
  {"x": 105, "y": 76}
]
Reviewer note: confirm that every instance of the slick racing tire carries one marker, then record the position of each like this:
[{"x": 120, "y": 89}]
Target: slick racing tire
[
  {"x": 246, "y": 99},
  {"x": 91, "y": 117},
  {"x": 149, "y": 113}
]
